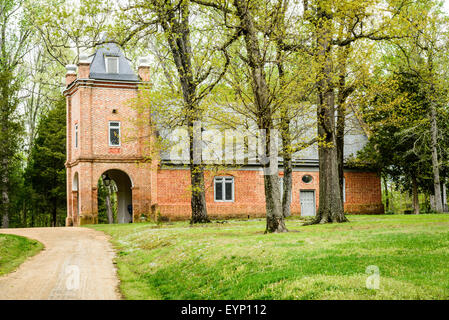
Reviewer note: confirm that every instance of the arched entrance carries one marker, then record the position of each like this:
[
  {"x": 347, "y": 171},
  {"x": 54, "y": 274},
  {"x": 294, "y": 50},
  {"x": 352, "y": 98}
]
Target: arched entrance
[{"x": 119, "y": 185}]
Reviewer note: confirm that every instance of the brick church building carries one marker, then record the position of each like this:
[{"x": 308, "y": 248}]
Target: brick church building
[{"x": 98, "y": 91}]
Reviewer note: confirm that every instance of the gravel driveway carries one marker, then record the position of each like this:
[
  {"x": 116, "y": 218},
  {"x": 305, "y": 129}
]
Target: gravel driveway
[{"x": 76, "y": 263}]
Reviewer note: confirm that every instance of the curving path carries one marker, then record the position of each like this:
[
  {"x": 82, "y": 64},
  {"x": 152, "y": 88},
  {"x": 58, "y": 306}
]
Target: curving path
[{"x": 76, "y": 263}]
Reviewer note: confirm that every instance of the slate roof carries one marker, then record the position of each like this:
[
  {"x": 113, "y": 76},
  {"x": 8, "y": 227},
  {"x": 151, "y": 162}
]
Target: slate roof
[
  {"x": 354, "y": 140},
  {"x": 98, "y": 67}
]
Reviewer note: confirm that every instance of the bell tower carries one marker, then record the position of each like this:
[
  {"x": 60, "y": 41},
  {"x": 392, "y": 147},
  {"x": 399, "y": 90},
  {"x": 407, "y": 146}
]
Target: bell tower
[{"x": 104, "y": 138}]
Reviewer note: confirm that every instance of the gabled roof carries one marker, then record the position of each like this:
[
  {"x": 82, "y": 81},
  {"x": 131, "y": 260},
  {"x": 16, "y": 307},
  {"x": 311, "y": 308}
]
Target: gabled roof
[{"x": 98, "y": 66}]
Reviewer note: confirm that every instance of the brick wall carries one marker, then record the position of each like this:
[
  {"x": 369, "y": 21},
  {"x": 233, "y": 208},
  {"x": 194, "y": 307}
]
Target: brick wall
[{"x": 363, "y": 194}]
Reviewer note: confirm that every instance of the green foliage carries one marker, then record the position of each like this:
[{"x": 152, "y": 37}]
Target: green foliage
[
  {"x": 102, "y": 192},
  {"x": 396, "y": 106},
  {"x": 45, "y": 172}
]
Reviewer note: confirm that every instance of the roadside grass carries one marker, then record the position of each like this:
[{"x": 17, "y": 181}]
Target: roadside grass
[
  {"x": 14, "y": 250},
  {"x": 235, "y": 260}
]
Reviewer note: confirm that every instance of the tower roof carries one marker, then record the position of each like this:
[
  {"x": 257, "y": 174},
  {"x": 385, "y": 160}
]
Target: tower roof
[{"x": 98, "y": 65}]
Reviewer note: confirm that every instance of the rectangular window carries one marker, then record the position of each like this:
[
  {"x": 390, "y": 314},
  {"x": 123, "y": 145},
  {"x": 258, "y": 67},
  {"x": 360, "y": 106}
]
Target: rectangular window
[
  {"x": 344, "y": 190},
  {"x": 76, "y": 136},
  {"x": 224, "y": 189},
  {"x": 114, "y": 133},
  {"x": 112, "y": 64}
]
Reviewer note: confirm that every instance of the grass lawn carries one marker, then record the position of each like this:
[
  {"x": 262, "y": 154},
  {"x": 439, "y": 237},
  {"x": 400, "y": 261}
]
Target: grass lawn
[
  {"x": 14, "y": 250},
  {"x": 235, "y": 260}
]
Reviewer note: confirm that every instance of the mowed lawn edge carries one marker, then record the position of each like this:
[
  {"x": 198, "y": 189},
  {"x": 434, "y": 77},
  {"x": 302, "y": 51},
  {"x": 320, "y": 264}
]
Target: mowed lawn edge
[
  {"x": 235, "y": 260},
  {"x": 14, "y": 250}
]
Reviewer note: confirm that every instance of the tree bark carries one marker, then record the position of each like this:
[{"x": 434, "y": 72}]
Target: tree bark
[
  {"x": 392, "y": 198},
  {"x": 435, "y": 165},
  {"x": 54, "y": 213},
  {"x": 445, "y": 208},
  {"x": 415, "y": 195},
  {"x": 275, "y": 217},
  {"x": 343, "y": 94},
  {"x": 387, "y": 197},
  {"x": 286, "y": 139},
  {"x": 287, "y": 185},
  {"x": 178, "y": 38},
  {"x": 198, "y": 198},
  {"x": 5, "y": 194},
  {"x": 109, "y": 205},
  {"x": 330, "y": 197},
  {"x": 274, "y": 214}
]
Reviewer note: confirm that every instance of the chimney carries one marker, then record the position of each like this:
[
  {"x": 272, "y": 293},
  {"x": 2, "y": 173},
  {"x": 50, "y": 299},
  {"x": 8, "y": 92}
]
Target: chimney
[
  {"x": 83, "y": 67},
  {"x": 70, "y": 75},
  {"x": 144, "y": 69}
]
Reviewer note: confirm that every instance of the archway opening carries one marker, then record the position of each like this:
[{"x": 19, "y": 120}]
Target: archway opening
[{"x": 115, "y": 197}]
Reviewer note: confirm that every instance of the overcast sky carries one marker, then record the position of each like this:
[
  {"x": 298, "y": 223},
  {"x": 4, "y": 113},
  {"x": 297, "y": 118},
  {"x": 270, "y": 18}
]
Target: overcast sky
[{"x": 446, "y": 6}]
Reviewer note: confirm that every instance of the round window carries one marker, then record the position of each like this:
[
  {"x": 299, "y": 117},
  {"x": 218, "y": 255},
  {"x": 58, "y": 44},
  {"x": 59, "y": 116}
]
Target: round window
[{"x": 307, "y": 178}]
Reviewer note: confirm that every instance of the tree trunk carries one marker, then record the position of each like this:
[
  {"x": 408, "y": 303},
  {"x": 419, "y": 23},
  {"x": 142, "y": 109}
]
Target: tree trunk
[
  {"x": 5, "y": 194},
  {"x": 178, "y": 37},
  {"x": 330, "y": 198},
  {"x": 274, "y": 214},
  {"x": 285, "y": 121},
  {"x": 415, "y": 195},
  {"x": 435, "y": 165},
  {"x": 432, "y": 202},
  {"x": 275, "y": 218},
  {"x": 343, "y": 94},
  {"x": 198, "y": 198},
  {"x": 24, "y": 209},
  {"x": 288, "y": 170},
  {"x": 54, "y": 213},
  {"x": 392, "y": 198},
  {"x": 445, "y": 207},
  {"x": 287, "y": 186},
  {"x": 387, "y": 197},
  {"x": 109, "y": 205},
  {"x": 340, "y": 150}
]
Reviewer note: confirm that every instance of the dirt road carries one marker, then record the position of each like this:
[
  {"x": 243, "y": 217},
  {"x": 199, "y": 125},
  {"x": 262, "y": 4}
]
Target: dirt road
[{"x": 75, "y": 264}]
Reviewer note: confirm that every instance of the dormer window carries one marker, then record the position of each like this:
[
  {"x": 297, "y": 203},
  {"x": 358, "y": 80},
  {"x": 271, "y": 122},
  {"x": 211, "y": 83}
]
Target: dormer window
[{"x": 111, "y": 64}]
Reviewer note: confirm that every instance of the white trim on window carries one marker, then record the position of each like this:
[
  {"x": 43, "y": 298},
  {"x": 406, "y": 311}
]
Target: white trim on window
[
  {"x": 344, "y": 190},
  {"x": 114, "y": 125},
  {"x": 223, "y": 180},
  {"x": 76, "y": 136},
  {"x": 106, "y": 61}
]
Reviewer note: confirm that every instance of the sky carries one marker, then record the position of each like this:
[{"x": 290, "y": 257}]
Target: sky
[{"x": 446, "y": 6}]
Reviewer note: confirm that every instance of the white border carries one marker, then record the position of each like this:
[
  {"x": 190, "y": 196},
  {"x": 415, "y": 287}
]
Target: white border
[
  {"x": 106, "y": 64},
  {"x": 224, "y": 188},
  {"x": 119, "y": 133}
]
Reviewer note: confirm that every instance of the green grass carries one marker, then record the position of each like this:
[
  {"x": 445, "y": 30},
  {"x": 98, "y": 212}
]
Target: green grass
[
  {"x": 14, "y": 250},
  {"x": 235, "y": 260}
]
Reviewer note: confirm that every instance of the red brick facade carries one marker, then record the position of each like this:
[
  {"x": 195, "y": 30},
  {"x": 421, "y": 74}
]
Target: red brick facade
[
  {"x": 363, "y": 193},
  {"x": 92, "y": 104}
]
